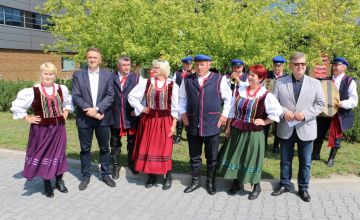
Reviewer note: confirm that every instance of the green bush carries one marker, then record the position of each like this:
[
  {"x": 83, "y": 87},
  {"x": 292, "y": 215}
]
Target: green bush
[{"x": 9, "y": 90}]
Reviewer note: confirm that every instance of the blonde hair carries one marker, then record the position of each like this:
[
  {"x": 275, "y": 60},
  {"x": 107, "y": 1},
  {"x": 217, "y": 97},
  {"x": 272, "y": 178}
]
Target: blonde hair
[
  {"x": 164, "y": 66},
  {"x": 48, "y": 66}
]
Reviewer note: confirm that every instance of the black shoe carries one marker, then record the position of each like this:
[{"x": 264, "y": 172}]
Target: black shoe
[
  {"x": 108, "y": 181},
  {"x": 280, "y": 190},
  {"x": 84, "y": 183},
  {"x": 330, "y": 163},
  {"x": 256, "y": 192},
  {"x": 315, "y": 157},
  {"x": 167, "y": 181},
  {"x": 235, "y": 187},
  {"x": 115, "y": 171},
  {"x": 210, "y": 183},
  {"x": 332, "y": 155},
  {"x": 48, "y": 190},
  {"x": 210, "y": 187},
  {"x": 195, "y": 184},
  {"x": 151, "y": 181},
  {"x": 60, "y": 185},
  {"x": 304, "y": 195}
]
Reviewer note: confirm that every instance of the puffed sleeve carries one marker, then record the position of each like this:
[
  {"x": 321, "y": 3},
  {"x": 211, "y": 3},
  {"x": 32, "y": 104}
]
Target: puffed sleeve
[
  {"x": 173, "y": 78},
  {"x": 352, "y": 101},
  {"x": 67, "y": 103},
  {"x": 22, "y": 102},
  {"x": 175, "y": 101},
  {"x": 136, "y": 96},
  {"x": 226, "y": 95},
  {"x": 273, "y": 107},
  {"x": 182, "y": 98}
]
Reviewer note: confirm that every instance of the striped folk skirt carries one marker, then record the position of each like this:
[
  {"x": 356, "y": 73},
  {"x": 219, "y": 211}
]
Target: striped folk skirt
[
  {"x": 243, "y": 156},
  {"x": 153, "y": 147},
  {"x": 46, "y": 152}
]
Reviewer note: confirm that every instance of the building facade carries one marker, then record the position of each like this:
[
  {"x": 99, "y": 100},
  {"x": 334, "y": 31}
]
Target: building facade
[{"x": 23, "y": 31}]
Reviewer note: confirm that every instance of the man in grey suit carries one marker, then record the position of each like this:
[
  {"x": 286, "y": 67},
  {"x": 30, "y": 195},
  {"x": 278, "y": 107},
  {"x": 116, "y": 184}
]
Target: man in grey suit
[
  {"x": 93, "y": 95},
  {"x": 302, "y": 99}
]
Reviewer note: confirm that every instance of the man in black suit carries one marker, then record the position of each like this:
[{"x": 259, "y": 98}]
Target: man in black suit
[{"x": 93, "y": 95}]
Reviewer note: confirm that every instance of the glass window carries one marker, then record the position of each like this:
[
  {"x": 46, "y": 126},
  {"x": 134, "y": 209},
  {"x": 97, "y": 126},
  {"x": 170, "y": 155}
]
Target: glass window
[
  {"x": 20, "y": 18},
  {"x": 14, "y": 17},
  {"x": 32, "y": 20},
  {"x": 67, "y": 64},
  {"x": 2, "y": 15},
  {"x": 45, "y": 22}
]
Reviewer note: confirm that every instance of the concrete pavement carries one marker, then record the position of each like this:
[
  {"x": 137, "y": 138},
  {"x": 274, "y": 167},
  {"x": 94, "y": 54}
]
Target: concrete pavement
[{"x": 335, "y": 198}]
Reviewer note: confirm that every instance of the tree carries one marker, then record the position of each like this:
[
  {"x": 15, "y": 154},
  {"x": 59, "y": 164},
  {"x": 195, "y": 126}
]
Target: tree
[{"x": 254, "y": 31}]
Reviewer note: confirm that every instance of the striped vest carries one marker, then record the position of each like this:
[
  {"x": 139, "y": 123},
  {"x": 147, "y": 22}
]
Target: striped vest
[
  {"x": 50, "y": 110},
  {"x": 159, "y": 101},
  {"x": 247, "y": 110}
]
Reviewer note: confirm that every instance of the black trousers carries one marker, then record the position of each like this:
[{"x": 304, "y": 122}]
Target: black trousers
[
  {"x": 102, "y": 134},
  {"x": 195, "y": 149},
  {"x": 323, "y": 125},
  {"x": 115, "y": 141}
]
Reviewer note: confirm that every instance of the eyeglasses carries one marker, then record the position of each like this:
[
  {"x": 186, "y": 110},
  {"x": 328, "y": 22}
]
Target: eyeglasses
[{"x": 299, "y": 64}]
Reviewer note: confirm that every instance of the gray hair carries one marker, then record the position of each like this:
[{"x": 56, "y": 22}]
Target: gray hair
[
  {"x": 124, "y": 58},
  {"x": 296, "y": 55}
]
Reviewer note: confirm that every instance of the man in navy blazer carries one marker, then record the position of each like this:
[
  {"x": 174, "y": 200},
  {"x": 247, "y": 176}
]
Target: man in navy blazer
[{"x": 93, "y": 95}]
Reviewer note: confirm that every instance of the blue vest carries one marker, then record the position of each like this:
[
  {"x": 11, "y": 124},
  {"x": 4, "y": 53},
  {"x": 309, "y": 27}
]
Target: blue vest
[
  {"x": 121, "y": 108},
  {"x": 346, "y": 116},
  {"x": 178, "y": 77},
  {"x": 203, "y": 105}
]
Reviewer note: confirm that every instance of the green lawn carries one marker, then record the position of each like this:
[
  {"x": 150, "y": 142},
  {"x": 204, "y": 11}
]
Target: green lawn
[{"x": 14, "y": 135}]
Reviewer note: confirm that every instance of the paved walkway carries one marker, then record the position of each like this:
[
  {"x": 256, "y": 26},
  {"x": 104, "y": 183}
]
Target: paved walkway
[{"x": 337, "y": 198}]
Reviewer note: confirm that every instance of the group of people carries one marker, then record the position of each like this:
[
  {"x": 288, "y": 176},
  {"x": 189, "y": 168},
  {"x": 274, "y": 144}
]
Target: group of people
[{"x": 152, "y": 113}]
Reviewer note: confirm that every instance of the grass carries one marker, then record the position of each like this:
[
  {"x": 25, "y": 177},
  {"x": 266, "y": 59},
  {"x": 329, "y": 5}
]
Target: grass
[{"x": 14, "y": 135}]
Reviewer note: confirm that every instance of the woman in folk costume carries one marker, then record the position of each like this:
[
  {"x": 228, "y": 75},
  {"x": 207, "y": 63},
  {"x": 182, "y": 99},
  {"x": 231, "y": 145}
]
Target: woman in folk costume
[
  {"x": 253, "y": 107},
  {"x": 156, "y": 99},
  {"x": 46, "y": 149}
]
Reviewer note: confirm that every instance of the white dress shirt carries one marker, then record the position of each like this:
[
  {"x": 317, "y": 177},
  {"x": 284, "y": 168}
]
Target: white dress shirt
[
  {"x": 120, "y": 77},
  {"x": 94, "y": 84},
  {"x": 352, "y": 101},
  {"x": 225, "y": 92}
]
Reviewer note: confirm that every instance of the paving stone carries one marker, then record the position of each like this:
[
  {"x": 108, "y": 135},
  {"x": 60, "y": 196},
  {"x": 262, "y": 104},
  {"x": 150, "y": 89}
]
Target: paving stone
[{"x": 21, "y": 199}]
